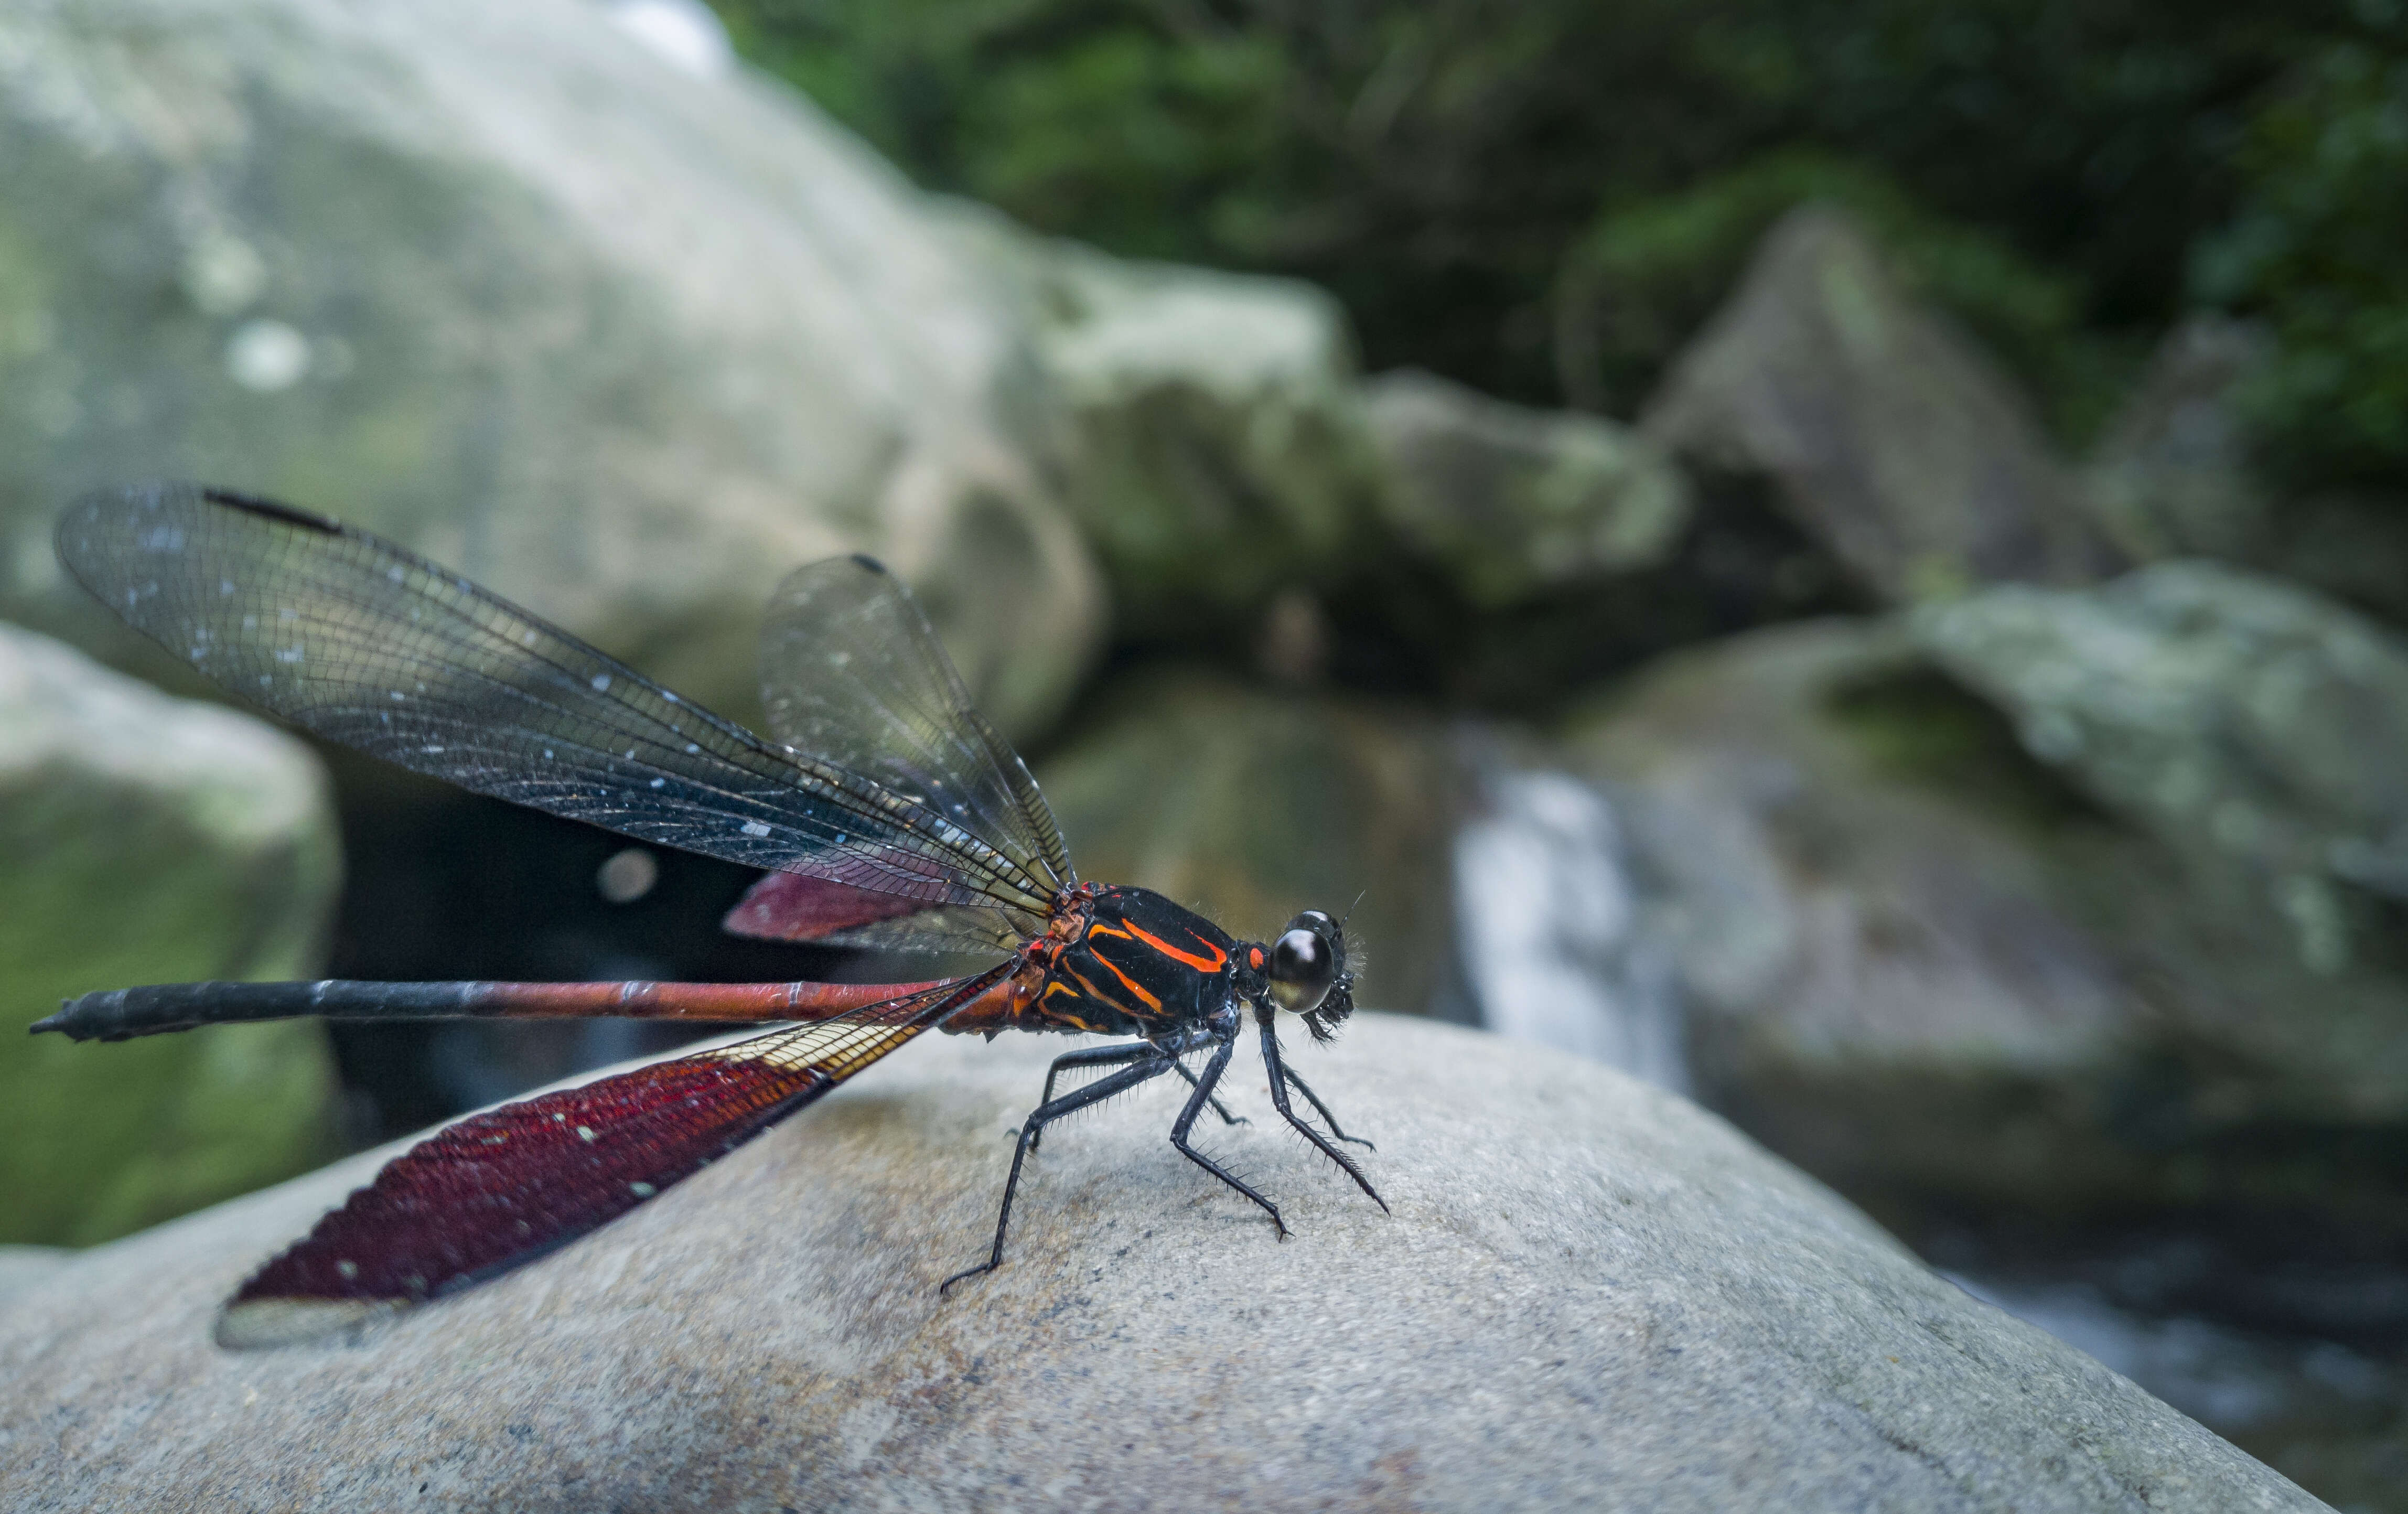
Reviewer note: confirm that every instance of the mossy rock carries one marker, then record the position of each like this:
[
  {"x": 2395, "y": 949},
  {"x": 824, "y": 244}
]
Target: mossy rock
[
  {"x": 151, "y": 840},
  {"x": 1924, "y": 967}
]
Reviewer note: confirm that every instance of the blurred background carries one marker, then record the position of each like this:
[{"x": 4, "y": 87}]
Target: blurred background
[{"x": 1850, "y": 559}]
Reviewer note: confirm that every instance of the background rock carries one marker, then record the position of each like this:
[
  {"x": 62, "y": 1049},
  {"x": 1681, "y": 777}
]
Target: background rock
[
  {"x": 1590, "y": 1294},
  {"x": 1216, "y": 443},
  {"x": 444, "y": 272},
  {"x": 2173, "y": 477},
  {"x": 1886, "y": 434},
  {"x": 1250, "y": 806},
  {"x": 1512, "y": 502},
  {"x": 2224, "y": 710},
  {"x": 1921, "y": 965},
  {"x": 2169, "y": 478},
  {"x": 151, "y": 840}
]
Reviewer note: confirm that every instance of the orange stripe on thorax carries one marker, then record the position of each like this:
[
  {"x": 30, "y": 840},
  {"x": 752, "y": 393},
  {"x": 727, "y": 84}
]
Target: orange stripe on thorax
[
  {"x": 1151, "y": 1002},
  {"x": 1212, "y": 964}
]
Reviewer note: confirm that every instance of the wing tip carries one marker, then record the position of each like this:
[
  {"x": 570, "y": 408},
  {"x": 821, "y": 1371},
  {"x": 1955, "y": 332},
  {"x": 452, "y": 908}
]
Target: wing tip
[
  {"x": 251, "y": 1324},
  {"x": 93, "y": 504}
]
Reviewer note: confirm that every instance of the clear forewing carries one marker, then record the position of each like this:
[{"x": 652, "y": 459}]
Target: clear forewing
[
  {"x": 369, "y": 645},
  {"x": 852, "y": 671}
]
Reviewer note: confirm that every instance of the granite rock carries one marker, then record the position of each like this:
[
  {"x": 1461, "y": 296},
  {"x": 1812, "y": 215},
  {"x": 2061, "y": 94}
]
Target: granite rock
[
  {"x": 1511, "y": 503},
  {"x": 2218, "y": 708},
  {"x": 1210, "y": 424},
  {"x": 151, "y": 839},
  {"x": 625, "y": 341},
  {"x": 1923, "y": 964},
  {"x": 1590, "y": 1294},
  {"x": 1885, "y": 431},
  {"x": 2169, "y": 476}
]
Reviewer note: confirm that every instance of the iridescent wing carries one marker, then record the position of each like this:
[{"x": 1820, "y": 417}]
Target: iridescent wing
[
  {"x": 852, "y": 671},
  {"x": 500, "y": 1188},
  {"x": 788, "y": 906},
  {"x": 366, "y": 644}
]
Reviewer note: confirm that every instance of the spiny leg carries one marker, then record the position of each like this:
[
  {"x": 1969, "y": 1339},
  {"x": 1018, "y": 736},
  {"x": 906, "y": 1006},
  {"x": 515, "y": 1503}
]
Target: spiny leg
[
  {"x": 1212, "y": 1099},
  {"x": 1091, "y": 1056},
  {"x": 1186, "y": 1122},
  {"x": 1045, "y": 1114},
  {"x": 1315, "y": 1100},
  {"x": 1280, "y": 1075},
  {"x": 1108, "y": 1056}
]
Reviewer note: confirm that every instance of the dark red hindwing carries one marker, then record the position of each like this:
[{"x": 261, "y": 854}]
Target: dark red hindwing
[
  {"x": 503, "y": 1188},
  {"x": 499, "y": 1189}
]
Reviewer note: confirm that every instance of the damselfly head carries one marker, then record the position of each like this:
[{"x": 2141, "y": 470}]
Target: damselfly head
[{"x": 1307, "y": 972}]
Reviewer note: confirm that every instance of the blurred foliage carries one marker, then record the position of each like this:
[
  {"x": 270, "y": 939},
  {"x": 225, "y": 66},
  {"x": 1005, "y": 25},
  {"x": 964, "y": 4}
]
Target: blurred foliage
[
  {"x": 1544, "y": 199},
  {"x": 2319, "y": 249}
]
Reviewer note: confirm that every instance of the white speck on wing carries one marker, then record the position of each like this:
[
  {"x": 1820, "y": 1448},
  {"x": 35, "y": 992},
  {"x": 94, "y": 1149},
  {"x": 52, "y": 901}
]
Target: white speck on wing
[
  {"x": 601, "y": 682},
  {"x": 755, "y": 828}
]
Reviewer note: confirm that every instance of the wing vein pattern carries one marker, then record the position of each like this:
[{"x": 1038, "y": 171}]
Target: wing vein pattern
[{"x": 364, "y": 643}]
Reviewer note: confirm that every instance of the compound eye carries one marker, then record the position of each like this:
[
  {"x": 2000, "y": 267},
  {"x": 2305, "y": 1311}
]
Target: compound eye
[{"x": 1302, "y": 969}]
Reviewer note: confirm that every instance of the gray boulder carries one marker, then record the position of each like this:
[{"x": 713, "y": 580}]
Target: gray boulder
[
  {"x": 151, "y": 840},
  {"x": 1512, "y": 502},
  {"x": 1886, "y": 433},
  {"x": 1921, "y": 965},
  {"x": 2169, "y": 476},
  {"x": 2212, "y": 705},
  {"x": 1252, "y": 805},
  {"x": 625, "y": 341},
  {"x": 1211, "y": 423},
  {"x": 1590, "y": 1294}
]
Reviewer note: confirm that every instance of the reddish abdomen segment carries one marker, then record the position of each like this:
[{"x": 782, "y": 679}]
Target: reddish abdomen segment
[{"x": 118, "y": 1014}]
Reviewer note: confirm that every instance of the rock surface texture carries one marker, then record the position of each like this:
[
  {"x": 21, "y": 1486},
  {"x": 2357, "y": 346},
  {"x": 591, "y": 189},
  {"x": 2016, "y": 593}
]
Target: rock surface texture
[
  {"x": 2169, "y": 479},
  {"x": 1591, "y": 1295},
  {"x": 624, "y": 342},
  {"x": 1212, "y": 423},
  {"x": 1922, "y": 964},
  {"x": 2210, "y": 703},
  {"x": 1512, "y": 502},
  {"x": 1884, "y": 432},
  {"x": 150, "y": 839}
]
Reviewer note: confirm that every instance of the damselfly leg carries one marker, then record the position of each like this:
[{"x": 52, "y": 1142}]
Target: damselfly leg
[
  {"x": 1112, "y": 1056},
  {"x": 1043, "y": 1116},
  {"x": 1281, "y": 1078}
]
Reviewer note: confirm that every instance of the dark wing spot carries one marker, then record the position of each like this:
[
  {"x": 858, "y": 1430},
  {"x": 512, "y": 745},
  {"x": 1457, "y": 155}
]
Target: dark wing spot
[{"x": 271, "y": 509}]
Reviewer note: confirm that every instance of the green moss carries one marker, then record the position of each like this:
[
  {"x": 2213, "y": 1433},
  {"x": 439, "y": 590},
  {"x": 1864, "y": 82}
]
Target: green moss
[
  {"x": 1916, "y": 725},
  {"x": 102, "y": 891}
]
